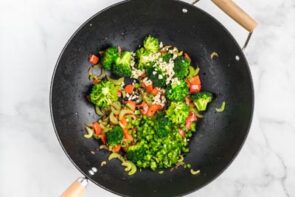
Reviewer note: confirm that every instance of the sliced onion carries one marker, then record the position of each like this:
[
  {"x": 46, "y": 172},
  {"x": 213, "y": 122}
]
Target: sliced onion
[
  {"x": 98, "y": 111},
  {"x": 214, "y": 54},
  {"x": 103, "y": 147},
  {"x": 124, "y": 112},
  {"x": 116, "y": 156},
  {"x": 113, "y": 119},
  {"x": 90, "y": 132},
  {"x": 195, "y": 172},
  {"x": 133, "y": 169},
  {"x": 127, "y": 165},
  {"x": 116, "y": 107},
  {"x": 103, "y": 163}
]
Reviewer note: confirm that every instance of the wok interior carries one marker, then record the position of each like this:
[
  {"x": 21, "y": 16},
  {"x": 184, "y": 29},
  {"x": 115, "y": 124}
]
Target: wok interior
[{"x": 219, "y": 136}]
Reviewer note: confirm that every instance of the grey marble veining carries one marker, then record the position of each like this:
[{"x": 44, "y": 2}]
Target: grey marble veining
[{"x": 32, "y": 34}]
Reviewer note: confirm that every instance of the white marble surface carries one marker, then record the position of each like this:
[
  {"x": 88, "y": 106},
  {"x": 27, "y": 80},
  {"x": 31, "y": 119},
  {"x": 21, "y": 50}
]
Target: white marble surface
[{"x": 32, "y": 163}]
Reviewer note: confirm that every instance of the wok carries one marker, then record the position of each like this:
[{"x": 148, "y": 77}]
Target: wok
[{"x": 219, "y": 136}]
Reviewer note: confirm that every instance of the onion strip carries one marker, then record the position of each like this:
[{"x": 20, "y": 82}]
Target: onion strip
[
  {"x": 195, "y": 172},
  {"x": 90, "y": 132},
  {"x": 221, "y": 108}
]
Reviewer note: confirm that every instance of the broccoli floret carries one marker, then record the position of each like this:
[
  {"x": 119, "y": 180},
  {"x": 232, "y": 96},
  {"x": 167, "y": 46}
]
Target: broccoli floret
[
  {"x": 137, "y": 152},
  {"x": 104, "y": 94},
  {"x": 181, "y": 67},
  {"x": 115, "y": 135},
  {"x": 162, "y": 125},
  {"x": 109, "y": 57},
  {"x": 156, "y": 76},
  {"x": 177, "y": 92},
  {"x": 143, "y": 58},
  {"x": 177, "y": 112},
  {"x": 151, "y": 44},
  {"x": 166, "y": 57},
  {"x": 201, "y": 100},
  {"x": 122, "y": 66}
]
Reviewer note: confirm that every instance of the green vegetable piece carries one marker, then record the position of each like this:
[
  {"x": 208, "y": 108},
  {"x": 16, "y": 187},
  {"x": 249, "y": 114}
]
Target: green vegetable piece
[
  {"x": 181, "y": 67},
  {"x": 104, "y": 94},
  {"x": 122, "y": 65},
  {"x": 162, "y": 125},
  {"x": 193, "y": 72},
  {"x": 151, "y": 44},
  {"x": 115, "y": 135},
  {"x": 143, "y": 58},
  {"x": 201, "y": 100},
  {"x": 166, "y": 57},
  {"x": 136, "y": 152},
  {"x": 177, "y": 92},
  {"x": 156, "y": 76},
  {"x": 177, "y": 112},
  {"x": 109, "y": 57},
  {"x": 221, "y": 108}
]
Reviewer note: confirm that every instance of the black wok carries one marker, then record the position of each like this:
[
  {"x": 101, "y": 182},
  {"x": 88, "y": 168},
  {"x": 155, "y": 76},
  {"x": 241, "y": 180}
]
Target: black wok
[{"x": 219, "y": 136}]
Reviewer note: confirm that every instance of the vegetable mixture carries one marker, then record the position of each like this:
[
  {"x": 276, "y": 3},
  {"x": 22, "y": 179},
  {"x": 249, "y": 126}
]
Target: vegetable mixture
[{"x": 149, "y": 102}]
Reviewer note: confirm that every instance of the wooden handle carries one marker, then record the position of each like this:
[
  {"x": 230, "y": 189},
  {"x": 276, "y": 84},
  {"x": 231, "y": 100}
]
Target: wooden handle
[
  {"x": 236, "y": 13},
  {"x": 76, "y": 189}
]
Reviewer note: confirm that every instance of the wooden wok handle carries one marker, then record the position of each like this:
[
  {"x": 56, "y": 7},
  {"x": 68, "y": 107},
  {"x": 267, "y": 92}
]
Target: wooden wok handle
[
  {"x": 236, "y": 13},
  {"x": 76, "y": 189}
]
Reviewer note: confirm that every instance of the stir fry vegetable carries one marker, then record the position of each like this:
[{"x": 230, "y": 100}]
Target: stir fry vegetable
[{"x": 148, "y": 107}]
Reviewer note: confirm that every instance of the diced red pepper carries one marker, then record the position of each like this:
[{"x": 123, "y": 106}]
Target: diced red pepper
[
  {"x": 195, "y": 80},
  {"x": 181, "y": 132},
  {"x": 127, "y": 136},
  {"x": 186, "y": 56},
  {"x": 97, "y": 128},
  {"x": 149, "y": 88},
  {"x": 143, "y": 108},
  {"x": 129, "y": 88},
  {"x": 103, "y": 138},
  {"x": 116, "y": 148},
  {"x": 194, "y": 88},
  {"x": 195, "y": 84},
  {"x": 153, "y": 109},
  {"x": 93, "y": 59},
  {"x": 154, "y": 91},
  {"x": 190, "y": 119},
  {"x": 119, "y": 94},
  {"x": 123, "y": 122}
]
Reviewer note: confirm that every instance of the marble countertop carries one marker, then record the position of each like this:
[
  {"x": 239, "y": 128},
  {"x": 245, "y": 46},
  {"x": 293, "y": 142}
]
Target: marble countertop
[{"x": 32, "y": 163}]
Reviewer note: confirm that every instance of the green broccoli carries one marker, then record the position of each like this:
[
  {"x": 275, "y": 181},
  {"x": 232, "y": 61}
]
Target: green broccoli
[
  {"x": 156, "y": 76},
  {"x": 166, "y": 57},
  {"x": 109, "y": 57},
  {"x": 122, "y": 65},
  {"x": 143, "y": 58},
  {"x": 177, "y": 92},
  {"x": 151, "y": 44},
  {"x": 201, "y": 100},
  {"x": 181, "y": 67},
  {"x": 104, "y": 94},
  {"x": 137, "y": 152},
  {"x": 115, "y": 135},
  {"x": 162, "y": 125},
  {"x": 178, "y": 112}
]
